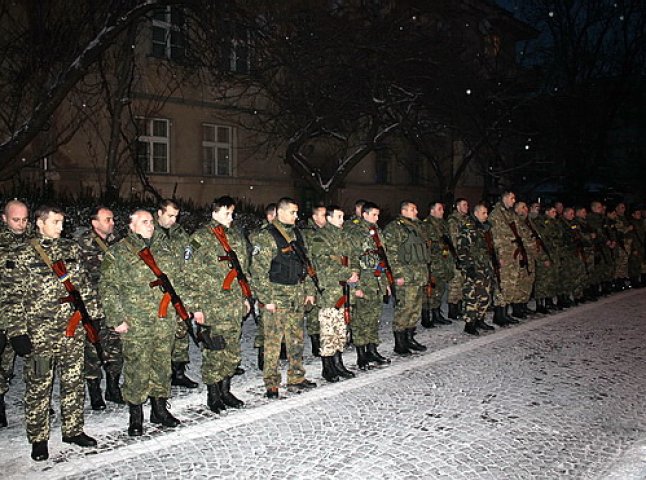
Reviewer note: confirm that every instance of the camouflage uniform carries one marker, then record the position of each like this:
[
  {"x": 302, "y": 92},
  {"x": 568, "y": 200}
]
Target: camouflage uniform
[
  {"x": 9, "y": 242},
  {"x": 124, "y": 290},
  {"x": 441, "y": 258},
  {"x": 475, "y": 262},
  {"x": 311, "y": 311},
  {"x": 547, "y": 267},
  {"x": 455, "y": 222},
  {"x": 572, "y": 272},
  {"x": 223, "y": 309},
  {"x": 637, "y": 237},
  {"x": 603, "y": 264},
  {"x": 328, "y": 246},
  {"x": 587, "y": 240},
  {"x": 527, "y": 275},
  {"x": 511, "y": 273},
  {"x": 624, "y": 247},
  {"x": 93, "y": 249},
  {"x": 365, "y": 321},
  {"x": 175, "y": 241},
  {"x": 287, "y": 321},
  {"x": 35, "y": 310},
  {"x": 259, "y": 339}
]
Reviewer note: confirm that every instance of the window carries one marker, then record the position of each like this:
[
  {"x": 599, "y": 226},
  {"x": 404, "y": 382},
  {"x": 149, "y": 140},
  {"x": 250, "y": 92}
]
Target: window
[
  {"x": 153, "y": 145},
  {"x": 217, "y": 149},
  {"x": 235, "y": 49},
  {"x": 168, "y": 33},
  {"x": 382, "y": 173}
]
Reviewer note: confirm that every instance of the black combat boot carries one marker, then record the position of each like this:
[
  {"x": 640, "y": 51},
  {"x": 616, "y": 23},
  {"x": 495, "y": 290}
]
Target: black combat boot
[
  {"x": 470, "y": 328},
  {"x": 214, "y": 399},
  {"x": 329, "y": 372},
  {"x": 3, "y": 412},
  {"x": 239, "y": 370},
  {"x": 82, "y": 440},
  {"x": 96, "y": 398},
  {"x": 482, "y": 325},
  {"x": 179, "y": 377},
  {"x": 362, "y": 357},
  {"x": 453, "y": 311},
  {"x": 39, "y": 451},
  {"x": 427, "y": 321},
  {"x": 375, "y": 356},
  {"x": 498, "y": 317},
  {"x": 136, "y": 425},
  {"x": 510, "y": 319},
  {"x": 549, "y": 304},
  {"x": 340, "y": 368},
  {"x": 261, "y": 358},
  {"x": 401, "y": 344},
  {"x": 229, "y": 399},
  {"x": 159, "y": 412},
  {"x": 517, "y": 311},
  {"x": 439, "y": 318},
  {"x": 412, "y": 343},
  {"x": 316, "y": 345},
  {"x": 540, "y": 306},
  {"x": 112, "y": 389}
]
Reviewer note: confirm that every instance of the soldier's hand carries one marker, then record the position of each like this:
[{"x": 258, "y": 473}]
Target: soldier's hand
[
  {"x": 199, "y": 317},
  {"x": 123, "y": 328},
  {"x": 21, "y": 345},
  {"x": 354, "y": 278},
  {"x": 400, "y": 281},
  {"x": 271, "y": 307},
  {"x": 358, "y": 293},
  {"x": 310, "y": 299}
]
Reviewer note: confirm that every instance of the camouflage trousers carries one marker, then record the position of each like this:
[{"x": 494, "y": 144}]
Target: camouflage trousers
[
  {"x": 366, "y": 315},
  {"x": 547, "y": 275},
  {"x": 333, "y": 331},
  {"x": 510, "y": 280},
  {"x": 635, "y": 264},
  {"x": 111, "y": 343},
  {"x": 286, "y": 323},
  {"x": 39, "y": 375},
  {"x": 409, "y": 307},
  {"x": 259, "y": 339},
  {"x": 621, "y": 264},
  {"x": 572, "y": 275},
  {"x": 7, "y": 360},
  {"x": 526, "y": 283},
  {"x": 438, "y": 293},
  {"x": 476, "y": 296},
  {"x": 311, "y": 318},
  {"x": 181, "y": 345},
  {"x": 455, "y": 287},
  {"x": 147, "y": 348},
  {"x": 220, "y": 364}
]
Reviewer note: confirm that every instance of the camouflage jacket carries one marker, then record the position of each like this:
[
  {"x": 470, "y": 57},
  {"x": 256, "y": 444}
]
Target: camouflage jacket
[
  {"x": 264, "y": 250},
  {"x": 503, "y": 237},
  {"x": 573, "y": 240},
  {"x": 407, "y": 251},
  {"x": 364, "y": 253},
  {"x": 327, "y": 246},
  {"x": 124, "y": 287},
  {"x": 93, "y": 249},
  {"x": 205, "y": 272},
  {"x": 455, "y": 222},
  {"x": 9, "y": 243},
  {"x": 34, "y": 307},
  {"x": 473, "y": 256},
  {"x": 436, "y": 231}
]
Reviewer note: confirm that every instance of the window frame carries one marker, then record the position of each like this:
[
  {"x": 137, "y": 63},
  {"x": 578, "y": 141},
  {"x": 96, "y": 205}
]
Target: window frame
[
  {"x": 150, "y": 140},
  {"x": 210, "y": 167}
]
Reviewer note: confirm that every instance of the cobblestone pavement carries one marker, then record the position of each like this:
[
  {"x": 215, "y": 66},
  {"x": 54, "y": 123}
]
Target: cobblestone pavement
[{"x": 560, "y": 396}]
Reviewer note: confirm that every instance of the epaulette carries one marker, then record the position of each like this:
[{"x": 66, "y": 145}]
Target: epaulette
[
  {"x": 195, "y": 244},
  {"x": 355, "y": 221}
]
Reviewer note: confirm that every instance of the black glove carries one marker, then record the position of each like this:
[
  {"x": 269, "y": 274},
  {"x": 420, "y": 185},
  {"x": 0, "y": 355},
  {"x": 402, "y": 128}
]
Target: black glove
[
  {"x": 21, "y": 345},
  {"x": 3, "y": 341}
]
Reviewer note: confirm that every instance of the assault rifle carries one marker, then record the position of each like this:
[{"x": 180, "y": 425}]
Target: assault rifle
[
  {"x": 580, "y": 249},
  {"x": 537, "y": 238},
  {"x": 520, "y": 247},
  {"x": 430, "y": 284},
  {"x": 300, "y": 252},
  {"x": 449, "y": 245},
  {"x": 80, "y": 310},
  {"x": 495, "y": 261},
  {"x": 235, "y": 272},
  {"x": 384, "y": 265},
  {"x": 171, "y": 296},
  {"x": 344, "y": 302}
]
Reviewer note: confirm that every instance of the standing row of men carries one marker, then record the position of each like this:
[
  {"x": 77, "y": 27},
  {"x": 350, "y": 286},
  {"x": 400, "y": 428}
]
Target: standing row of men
[{"x": 337, "y": 274}]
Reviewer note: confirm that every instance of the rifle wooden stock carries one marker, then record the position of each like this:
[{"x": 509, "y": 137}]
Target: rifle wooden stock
[
  {"x": 520, "y": 247},
  {"x": 236, "y": 271},
  {"x": 344, "y": 302},
  {"x": 169, "y": 294},
  {"x": 383, "y": 262},
  {"x": 80, "y": 310}
]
